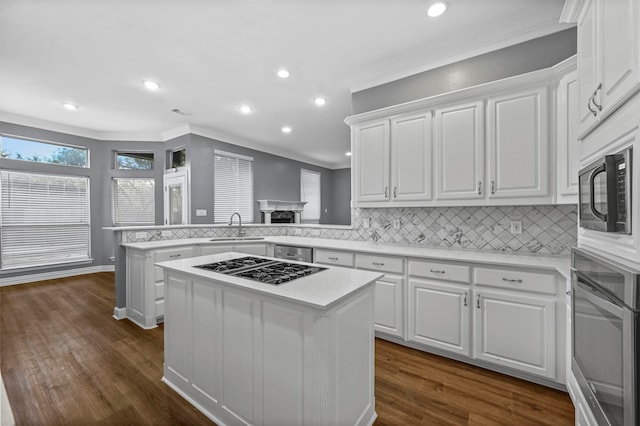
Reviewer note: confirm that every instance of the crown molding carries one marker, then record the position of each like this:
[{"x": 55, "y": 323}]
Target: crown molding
[
  {"x": 565, "y": 67},
  {"x": 52, "y": 126},
  {"x": 571, "y": 11}
]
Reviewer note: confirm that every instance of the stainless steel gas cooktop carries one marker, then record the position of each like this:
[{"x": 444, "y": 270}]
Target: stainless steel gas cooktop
[{"x": 268, "y": 271}]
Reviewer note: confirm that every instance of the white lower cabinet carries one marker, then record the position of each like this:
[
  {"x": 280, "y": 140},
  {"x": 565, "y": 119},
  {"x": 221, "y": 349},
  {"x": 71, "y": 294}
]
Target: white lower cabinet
[
  {"x": 255, "y": 249},
  {"x": 439, "y": 315},
  {"x": 389, "y": 292},
  {"x": 515, "y": 330}
]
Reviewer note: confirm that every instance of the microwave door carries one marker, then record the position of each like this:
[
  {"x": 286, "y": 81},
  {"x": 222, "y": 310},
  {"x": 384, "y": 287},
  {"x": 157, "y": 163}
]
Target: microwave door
[{"x": 598, "y": 193}]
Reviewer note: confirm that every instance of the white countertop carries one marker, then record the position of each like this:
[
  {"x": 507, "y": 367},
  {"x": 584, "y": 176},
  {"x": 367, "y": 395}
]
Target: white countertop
[
  {"x": 560, "y": 264},
  {"x": 319, "y": 290}
]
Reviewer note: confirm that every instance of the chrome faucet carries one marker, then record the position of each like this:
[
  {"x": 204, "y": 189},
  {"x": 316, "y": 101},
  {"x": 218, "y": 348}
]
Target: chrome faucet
[{"x": 240, "y": 231}]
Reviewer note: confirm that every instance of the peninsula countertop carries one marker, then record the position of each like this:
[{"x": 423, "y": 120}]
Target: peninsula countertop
[{"x": 320, "y": 290}]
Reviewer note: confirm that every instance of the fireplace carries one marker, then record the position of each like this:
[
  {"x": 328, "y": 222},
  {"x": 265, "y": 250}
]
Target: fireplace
[{"x": 278, "y": 211}]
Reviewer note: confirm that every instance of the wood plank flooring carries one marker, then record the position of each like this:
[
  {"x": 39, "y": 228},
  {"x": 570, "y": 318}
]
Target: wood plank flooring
[{"x": 65, "y": 360}]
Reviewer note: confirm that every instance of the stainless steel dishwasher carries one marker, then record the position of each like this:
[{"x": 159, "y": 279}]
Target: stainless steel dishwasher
[{"x": 302, "y": 254}]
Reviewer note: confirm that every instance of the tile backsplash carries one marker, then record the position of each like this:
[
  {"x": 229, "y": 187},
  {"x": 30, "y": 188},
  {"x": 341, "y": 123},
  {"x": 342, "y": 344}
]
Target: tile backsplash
[{"x": 546, "y": 229}]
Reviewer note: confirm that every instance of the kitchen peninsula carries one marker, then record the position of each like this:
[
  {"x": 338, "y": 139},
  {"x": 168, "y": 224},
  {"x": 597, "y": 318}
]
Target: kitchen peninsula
[{"x": 244, "y": 351}]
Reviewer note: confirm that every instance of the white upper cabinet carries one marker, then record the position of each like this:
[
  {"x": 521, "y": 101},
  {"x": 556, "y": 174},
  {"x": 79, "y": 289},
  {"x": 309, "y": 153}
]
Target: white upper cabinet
[
  {"x": 518, "y": 155},
  {"x": 411, "y": 157},
  {"x": 459, "y": 151},
  {"x": 567, "y": 144},
  {"x": 371, "y": 156},
  {"x": 608, "y": 55}
]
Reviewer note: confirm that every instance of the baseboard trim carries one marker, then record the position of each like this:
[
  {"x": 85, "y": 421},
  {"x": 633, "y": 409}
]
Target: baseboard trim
[
  {"x": 119, "y": 313},
  {"x": 29, "y": 278}
]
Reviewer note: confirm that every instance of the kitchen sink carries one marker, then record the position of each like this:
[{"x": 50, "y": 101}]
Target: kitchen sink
[{"x": 237, "y": 239}]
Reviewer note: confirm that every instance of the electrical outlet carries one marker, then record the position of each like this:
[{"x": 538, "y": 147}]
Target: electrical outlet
[
  {"x": 366, "y": 223},
  {"x": 396, "y": 223},
  {"x": 166, "y": 233},
  {"x": 141, "y": 235},
  {"x": 201, "y": 212},
  {"x": 516, "y": 227}
]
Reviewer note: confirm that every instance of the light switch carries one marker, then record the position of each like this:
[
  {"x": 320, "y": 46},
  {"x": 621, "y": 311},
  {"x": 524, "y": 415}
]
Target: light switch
[
  {"x": 396, "y": 223},
  {"x": 366, "y": 223},
  {"x": 516, "y": 227},
  {"x": 166, "y": 233},
  {"x": 201, "y": 212}
]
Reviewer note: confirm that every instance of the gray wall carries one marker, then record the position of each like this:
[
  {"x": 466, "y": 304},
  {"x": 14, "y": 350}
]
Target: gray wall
[
  {"x": 532, "y": 55},
  {"x": 341, "y": 197}
]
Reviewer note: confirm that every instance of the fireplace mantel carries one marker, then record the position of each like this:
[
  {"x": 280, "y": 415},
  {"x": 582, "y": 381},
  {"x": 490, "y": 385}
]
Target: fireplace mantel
[{"x": 269, "y": 206}]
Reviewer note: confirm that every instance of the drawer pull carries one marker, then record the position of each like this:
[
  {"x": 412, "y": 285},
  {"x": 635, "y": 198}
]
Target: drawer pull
[
  {"x": 378, "y": 263},
  {"x": 465, "y": 299},
  {"x": 436, "y": 271},
  {"x": 333, "y": 258},
  {"x": 173, "y": 256},
  {"x": 509, "y": 280},
  {"x": 478, "y": 302}
]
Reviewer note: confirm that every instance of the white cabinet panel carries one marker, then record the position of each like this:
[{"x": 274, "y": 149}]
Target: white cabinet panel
[
  {"x": 459, "y": 151},
  {"x": 439, "y": 315},
  {"x": 206, "y": 354},
  {"x": 411, "y": 157},
  {"x": 518, "y": 144},
  {"x": 214, "y": 249},
  {"x": 333, "y": 257},
  {"x": 587, "y": 70},
  {"x": 568, "y": 146},
  {"x": 516, "y": 331},
  {"x": 177, "y": 329},
  {"x": 372, "y": 158},
  {"x": 389, "y": 305}
]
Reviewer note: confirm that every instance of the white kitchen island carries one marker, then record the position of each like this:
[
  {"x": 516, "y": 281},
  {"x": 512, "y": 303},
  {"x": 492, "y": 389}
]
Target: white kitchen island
[{"x": 245, "y": 352}]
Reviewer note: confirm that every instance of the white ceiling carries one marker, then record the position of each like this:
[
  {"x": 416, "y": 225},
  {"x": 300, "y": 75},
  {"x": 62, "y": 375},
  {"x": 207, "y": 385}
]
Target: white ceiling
[{"x": 211, "y": 56}]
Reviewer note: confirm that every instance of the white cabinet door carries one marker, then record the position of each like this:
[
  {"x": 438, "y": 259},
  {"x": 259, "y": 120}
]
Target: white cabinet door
[
  {"x": 372, "y": 161},
  {"x": 518, "y": 144},
  {"x": 388, "y": 305},
  {"x": 411, "y": 168},
  {"x": 568, "y": 159},
  {"x": 459, "y": 152},
  {"x": 619, "y": 59},
  {"x": 587, "y": 68},
  {"x": 516, "y": 331},
  {"x": 439, "y": 315}
]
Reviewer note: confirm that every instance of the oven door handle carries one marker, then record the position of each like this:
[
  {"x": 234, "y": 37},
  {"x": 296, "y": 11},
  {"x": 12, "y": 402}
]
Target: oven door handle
[
  {"x": 592, "y": 204},
  {"x": 600, "y": 299}
]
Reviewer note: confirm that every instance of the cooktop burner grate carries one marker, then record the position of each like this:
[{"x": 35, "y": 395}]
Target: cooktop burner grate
[{"x": 268, "y": 271}]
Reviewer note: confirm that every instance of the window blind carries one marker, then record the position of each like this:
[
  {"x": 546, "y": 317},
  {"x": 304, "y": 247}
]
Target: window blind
[
  {"x": 310, "y": 192},
  {"x": 45, "y": 219},
  {"x": 233, "y": 187},
  {"x": 134, "y": 201}
]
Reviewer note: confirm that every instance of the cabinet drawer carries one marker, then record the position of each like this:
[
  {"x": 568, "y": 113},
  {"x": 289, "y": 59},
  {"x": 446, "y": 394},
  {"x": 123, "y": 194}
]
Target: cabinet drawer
[
  {"x": 440, "y": 271},
  {"x": 380, "y": 263},
  {"x": 515, "y": 280},
  {"x": 164, "y": 255},
  {"x": 159, "y": 308},
  {"x": 159, "y": 287},
  {"x": 331, "y": 257}
]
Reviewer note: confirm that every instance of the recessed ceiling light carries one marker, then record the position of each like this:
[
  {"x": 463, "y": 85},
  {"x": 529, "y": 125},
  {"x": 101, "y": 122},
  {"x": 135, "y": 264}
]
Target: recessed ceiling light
[
  {"x": 286, "y": 129},
  {"x": 437, "y": 8},
  {"x": 348, "y": 154},
  {"x": 282, "y": 73},
  {"x": 320, "y": 101},
  {"x": 70, "y": 106},
  {"x": 246, "y": 109},
  {"x": 151, "y": 85}
]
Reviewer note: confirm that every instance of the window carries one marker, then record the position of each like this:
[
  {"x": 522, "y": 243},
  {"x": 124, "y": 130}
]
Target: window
[
  {"x": 134, "y": 201},
  {"x": 43, "y": 152},
  {"x": 45, "y": 219},
  {"x": 310, "y": 192},
  {"x": 233, "y": 187},
  {"x": 134, "y": 160}
]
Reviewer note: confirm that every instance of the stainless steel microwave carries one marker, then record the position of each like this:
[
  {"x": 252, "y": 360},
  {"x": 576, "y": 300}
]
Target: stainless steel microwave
[{"x": 605, "y": 194}]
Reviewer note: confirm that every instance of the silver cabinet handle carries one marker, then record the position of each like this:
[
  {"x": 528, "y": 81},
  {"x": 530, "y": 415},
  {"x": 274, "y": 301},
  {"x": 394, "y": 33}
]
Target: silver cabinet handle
[
  {"x": 509, "y": 280},
  {"x": 172, "y": 256},
  {"x": 465, "y": 299},
  {"x": 594, "y": 97},
  {"x": 478, "y": 302},
  {"x": 479, "y": 187},
  {"x": 593, "y": 111},
  {"x": 435, "y": 271},
  {"x": 493, "y": 186},
  {"x": 333, "y": 258},
  {"x": 395, "y": 192},
  {"x": 568, "y": 293},
  {"x": 386, "y": 192},
  {"x": 378, "y": 263}
]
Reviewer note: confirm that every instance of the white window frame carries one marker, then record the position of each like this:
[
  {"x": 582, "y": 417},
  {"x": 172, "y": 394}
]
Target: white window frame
[
  {"x": 223, "y": 211},
  {"x": 46, "y": 142},
  {"x": 48, "y": 241},
  {"x": 312, "y": 211},
  {"x": 130, "y": 221}
]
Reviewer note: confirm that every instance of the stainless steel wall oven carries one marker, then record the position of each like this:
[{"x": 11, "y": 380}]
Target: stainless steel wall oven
[{"x": 606, "y": 336}]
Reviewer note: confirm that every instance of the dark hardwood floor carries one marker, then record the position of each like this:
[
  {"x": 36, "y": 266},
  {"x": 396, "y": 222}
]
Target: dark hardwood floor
[{"x": 65, "y": 360}]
